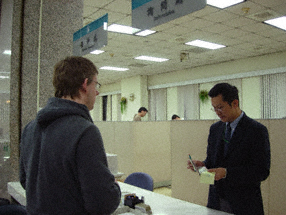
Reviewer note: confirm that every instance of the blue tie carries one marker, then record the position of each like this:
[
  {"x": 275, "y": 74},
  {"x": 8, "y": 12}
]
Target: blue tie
[{"x": 227, "y": 138}]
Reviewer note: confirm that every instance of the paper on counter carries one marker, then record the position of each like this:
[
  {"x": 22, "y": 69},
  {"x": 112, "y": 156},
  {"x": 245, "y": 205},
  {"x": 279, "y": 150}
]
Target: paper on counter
[{"x": 207, "y": 177}]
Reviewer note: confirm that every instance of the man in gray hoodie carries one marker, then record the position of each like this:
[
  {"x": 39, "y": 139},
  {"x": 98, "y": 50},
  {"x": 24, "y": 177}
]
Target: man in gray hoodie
[{"x": 63, "y": 165}]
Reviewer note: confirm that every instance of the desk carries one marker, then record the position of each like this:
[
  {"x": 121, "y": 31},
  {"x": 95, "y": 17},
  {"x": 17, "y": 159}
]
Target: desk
[{"x": 160, "y": 204}]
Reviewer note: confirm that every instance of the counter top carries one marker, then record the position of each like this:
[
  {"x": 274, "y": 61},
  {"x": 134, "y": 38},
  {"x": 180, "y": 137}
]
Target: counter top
[
  {"x": 160, "y": 204},
  {"x": 165, "y": 205}
]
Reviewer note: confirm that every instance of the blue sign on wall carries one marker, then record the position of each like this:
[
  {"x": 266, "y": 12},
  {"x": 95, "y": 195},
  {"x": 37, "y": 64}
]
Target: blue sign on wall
[{"x": 91, "y": 37}]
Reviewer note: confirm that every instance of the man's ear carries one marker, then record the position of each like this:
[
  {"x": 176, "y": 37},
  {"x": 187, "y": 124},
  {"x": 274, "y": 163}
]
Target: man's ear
[
  {"x": 84, "y": 85},
  {"x": 235, "y": 103}
]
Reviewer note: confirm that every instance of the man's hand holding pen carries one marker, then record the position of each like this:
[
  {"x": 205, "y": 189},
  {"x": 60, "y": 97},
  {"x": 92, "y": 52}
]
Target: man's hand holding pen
[{"x": 197, "y": 164}]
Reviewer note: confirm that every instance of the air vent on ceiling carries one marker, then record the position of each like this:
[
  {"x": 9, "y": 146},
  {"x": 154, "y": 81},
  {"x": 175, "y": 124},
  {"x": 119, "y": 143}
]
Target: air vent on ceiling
[{"x": 264, "y": 15}]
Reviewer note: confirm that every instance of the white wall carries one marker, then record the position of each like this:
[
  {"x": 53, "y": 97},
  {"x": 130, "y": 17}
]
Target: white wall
[{"x": 138, "y": 86}]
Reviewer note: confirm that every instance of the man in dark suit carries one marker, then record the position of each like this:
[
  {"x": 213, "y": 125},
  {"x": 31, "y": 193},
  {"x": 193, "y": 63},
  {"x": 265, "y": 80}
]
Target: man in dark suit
[{"x": 238, "y": 153}]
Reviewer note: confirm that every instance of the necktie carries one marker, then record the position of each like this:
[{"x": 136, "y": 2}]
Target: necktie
[{"x": 227, "y": 138}]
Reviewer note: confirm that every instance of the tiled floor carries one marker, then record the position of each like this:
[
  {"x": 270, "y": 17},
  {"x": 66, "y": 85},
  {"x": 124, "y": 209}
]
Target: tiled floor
[{"x": 164, "y": 190}]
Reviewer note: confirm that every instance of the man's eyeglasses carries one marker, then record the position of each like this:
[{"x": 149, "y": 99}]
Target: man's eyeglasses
[
  {"x": 97, "y": 85},
  {"x": 218, "y": 109}
]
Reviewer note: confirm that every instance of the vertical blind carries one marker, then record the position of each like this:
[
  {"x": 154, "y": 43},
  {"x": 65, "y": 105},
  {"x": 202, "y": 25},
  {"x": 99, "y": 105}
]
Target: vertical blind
[{"x": 273, "y": 96}]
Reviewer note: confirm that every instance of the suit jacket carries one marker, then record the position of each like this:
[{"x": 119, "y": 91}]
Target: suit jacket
[{"x": 247, "y": 162}]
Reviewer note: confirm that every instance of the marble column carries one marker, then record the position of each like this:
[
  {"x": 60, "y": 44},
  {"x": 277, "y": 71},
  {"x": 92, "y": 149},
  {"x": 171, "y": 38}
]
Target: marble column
[{"x": 42, "y": 34}]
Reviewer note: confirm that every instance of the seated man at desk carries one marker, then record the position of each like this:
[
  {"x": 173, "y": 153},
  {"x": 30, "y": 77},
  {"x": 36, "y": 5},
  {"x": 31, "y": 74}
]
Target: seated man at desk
[{"x": 141, "y": 113}]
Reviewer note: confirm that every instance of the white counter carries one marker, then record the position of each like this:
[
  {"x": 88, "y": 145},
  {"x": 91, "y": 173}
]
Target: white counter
[
  {"x": 160, "y": 204},
  {"x": 165, "y": 205}
]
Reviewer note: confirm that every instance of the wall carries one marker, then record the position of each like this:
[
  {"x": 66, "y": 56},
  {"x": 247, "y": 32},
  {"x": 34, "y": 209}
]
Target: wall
[
  {"x": 138, "y": 86},
  {"x": 242, "y": 73},
  {"x": 161, "y": 149},
  {"x": 264, "y": 62}
]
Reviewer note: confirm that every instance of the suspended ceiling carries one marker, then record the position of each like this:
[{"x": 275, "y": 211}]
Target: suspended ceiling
[{"x": 240, "y": 28}]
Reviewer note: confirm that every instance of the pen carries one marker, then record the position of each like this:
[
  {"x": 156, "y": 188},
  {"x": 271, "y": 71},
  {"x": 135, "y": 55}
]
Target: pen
[{"x": 195, "y": 169}]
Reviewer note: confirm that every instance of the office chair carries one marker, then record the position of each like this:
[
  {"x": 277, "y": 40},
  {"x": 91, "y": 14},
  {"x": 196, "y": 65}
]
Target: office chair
[{"x": 140, "y": 179}]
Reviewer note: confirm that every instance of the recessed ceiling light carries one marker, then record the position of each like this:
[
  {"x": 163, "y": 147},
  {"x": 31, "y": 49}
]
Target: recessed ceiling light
[
  {"x": 113, "y": 68},
  {"x": 204, "y": 44},
  {"x": 4, "y": 77},
  {"x": 223, "y": 3},
  {"x": 145, "y": 33},
  {"x": 278, "y": 22},
  {"x": 148, "y": 58},
  {"x": 96, "y": 52},
  {"x": 7, "y": 52},
  {"x": 122, "y": 29}
]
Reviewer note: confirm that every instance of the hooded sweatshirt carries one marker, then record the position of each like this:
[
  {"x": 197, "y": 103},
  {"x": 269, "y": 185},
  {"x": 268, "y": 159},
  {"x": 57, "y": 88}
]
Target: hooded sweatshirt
[{"x": 63, "y": 165}]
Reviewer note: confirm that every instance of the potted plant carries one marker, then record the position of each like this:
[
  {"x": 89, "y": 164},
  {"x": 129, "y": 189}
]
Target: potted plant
[
  {"x": 123, "y": 104},
  {"x": 203, "y": 95}
]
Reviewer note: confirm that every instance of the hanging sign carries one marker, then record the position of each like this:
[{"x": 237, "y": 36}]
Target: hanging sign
[
  {"x": 91, "y": 37},
  {"x": 150, "y": 13}
]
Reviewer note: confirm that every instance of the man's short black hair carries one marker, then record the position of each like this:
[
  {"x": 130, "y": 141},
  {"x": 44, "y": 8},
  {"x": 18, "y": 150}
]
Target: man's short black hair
[
  {"x": 229, "y": 93},
  {"x": 175, "y": 116},
  {"x": 142, "y": 109}
]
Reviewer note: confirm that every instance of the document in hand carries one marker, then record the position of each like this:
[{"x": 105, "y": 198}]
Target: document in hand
[{"x": 207, "y": 177}]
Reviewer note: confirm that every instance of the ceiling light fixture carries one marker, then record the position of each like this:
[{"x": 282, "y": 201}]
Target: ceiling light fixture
[
  {"x": 113, "y": 68},
  {"x": 122, "y": 29},
  {"x": 7, "y": 52},
  {"x": 4, "y": 77},
  {"x": 279, "y": 22},
  {"x": 96, "y": 52},
  {"x": 204, "y": 44},
  {"x": 223, "y": 3},
  {"x": 148, "y": 58},
  {"x": 145, "y": 33}
]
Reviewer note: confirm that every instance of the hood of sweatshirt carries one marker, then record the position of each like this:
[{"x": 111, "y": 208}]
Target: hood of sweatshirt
[{"x": 57, "y": 108}]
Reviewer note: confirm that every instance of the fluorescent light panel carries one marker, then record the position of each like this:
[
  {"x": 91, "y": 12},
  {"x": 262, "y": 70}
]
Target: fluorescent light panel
[
  {"x": 122, "y": 29},
  {"x": 148, "y": 58},
  {"x": 7, "y": 52},
  {"x": 96, "y": 52},
  {"x": 224, "y": 3},
  {"x": 204, "y": 44},
  {"x": 113, "y": 68},
  {"x": 4, "y": 77},
  {"x": 145, "y": 33},
  {"x": 279, "y": 22}
]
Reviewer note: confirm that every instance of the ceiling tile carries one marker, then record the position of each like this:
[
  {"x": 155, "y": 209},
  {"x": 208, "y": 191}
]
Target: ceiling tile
[
  {"x": 220, "y": 16},
  {"x": 120, "y": 6},
  {"x": 269, "y": 3},
  {"x": 246, "y": 8},
  {"x": 197, "y": 23},
  {"x": 239, "y": 22},
  {"x": 217, "y": 28}
]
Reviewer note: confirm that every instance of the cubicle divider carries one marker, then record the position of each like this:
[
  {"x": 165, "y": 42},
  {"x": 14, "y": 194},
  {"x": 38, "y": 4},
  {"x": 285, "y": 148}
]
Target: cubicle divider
[
  {"x": 161, "y": 149},
  {"x": 140, "y": 147}
]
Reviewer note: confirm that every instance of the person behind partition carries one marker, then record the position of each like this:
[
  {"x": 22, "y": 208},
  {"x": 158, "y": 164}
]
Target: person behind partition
[
  {"x": 176, "y": 117},
  {"x": 63, "y": 164},
  {"x": 238, "y": 153},
  {"x": 141, "y": 113}
]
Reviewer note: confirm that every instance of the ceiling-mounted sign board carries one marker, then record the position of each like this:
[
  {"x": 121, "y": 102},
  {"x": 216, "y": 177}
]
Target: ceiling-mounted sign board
[
  {"x": 91, "y": 37},
  {"x": 150, "y": 13}
]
